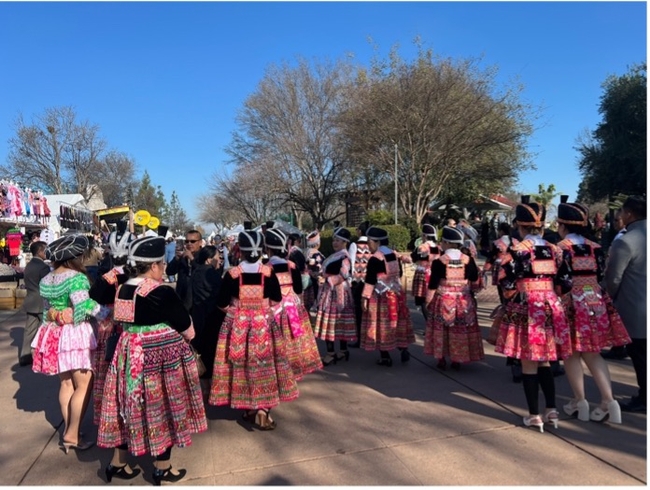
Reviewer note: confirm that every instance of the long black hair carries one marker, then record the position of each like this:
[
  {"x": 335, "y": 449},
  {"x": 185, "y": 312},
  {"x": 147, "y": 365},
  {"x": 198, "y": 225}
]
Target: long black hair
[{"x": 206, "y": 253}]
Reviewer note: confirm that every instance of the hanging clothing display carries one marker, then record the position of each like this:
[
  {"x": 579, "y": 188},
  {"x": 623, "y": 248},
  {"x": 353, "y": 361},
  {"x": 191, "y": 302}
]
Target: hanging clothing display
[
  {"x": 24, "y": 205},
  {"x": 76, "y": 218}
]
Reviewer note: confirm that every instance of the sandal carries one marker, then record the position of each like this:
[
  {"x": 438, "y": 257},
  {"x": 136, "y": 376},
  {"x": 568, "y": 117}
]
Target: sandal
[
  {"x": 263, "y": 420},
  {"x": 330, "y": 358},
  {"x": 79, "y": 446},
  {"x": 534, "y": 421},
  {"x": 551, "y": 416}
]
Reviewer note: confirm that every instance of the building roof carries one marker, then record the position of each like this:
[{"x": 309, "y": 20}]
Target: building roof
[{"x": 494, "y": 202}]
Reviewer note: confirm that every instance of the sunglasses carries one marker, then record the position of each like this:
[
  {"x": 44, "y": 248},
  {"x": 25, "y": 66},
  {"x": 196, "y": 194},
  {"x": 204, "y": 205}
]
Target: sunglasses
[{"x": 191, "y": 241}]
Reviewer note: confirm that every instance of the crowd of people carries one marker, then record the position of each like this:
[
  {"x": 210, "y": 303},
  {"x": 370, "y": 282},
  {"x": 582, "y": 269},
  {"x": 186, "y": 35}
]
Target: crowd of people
[{"x": 241, "y": 329}]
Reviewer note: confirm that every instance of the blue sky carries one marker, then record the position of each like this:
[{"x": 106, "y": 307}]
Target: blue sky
[{"x": 164, "y": 80}]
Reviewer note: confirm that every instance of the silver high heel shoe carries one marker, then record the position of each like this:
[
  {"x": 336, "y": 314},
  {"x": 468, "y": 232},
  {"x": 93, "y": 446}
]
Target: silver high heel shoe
[
  {"x": 580, "y": 407},
  {"x": 613, "y": 413},
  {"x": 534, "y": 421},
  {"x": 80, "y": 446},
  {"x": 552, "y": 416}
]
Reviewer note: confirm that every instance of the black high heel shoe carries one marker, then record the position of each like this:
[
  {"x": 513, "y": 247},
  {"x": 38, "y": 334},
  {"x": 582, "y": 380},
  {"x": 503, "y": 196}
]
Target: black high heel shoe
[
  {"x": 249, "y": 415},
  {"x": 167, "y": 475},
  {"x": 345, "y": 354},
  {"x": 405, "y": 355},
  {"x": 385, "y": 361},
  {"x": 120, "y": 472}
]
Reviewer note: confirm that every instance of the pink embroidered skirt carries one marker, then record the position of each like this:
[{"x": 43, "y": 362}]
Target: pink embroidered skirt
[
  {"x": 595, "y": 323},
  {"x": 452, "y": 328},
  {"x": 58, "y": 349},
  {"x": 535, "y": 329}
]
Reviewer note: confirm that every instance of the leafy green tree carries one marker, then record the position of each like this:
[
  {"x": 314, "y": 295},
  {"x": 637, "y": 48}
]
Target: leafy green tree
[
  {"x": 454, "y": 128},
  {"x": 545, "y": 196},
  {"x": 175, "y": 216},
  {"x": 381, "y": 217},
  {"x": 149, "y": 198},
  {"x": 613, "y": 158}
]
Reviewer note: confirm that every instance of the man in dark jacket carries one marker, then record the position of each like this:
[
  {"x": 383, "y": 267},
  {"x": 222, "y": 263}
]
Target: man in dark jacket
[
  {"x": 626, "y": 282},
  {"x": 182, "y": 265},
  {"x": 35, "y": 270}
]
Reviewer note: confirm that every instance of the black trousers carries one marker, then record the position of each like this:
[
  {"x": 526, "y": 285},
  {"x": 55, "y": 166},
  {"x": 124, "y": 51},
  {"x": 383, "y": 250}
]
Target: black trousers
[{"x": 638, "y": 352}]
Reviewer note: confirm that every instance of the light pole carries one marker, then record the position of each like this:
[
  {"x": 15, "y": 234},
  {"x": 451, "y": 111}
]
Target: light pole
[{"x": 395, "y": 183}]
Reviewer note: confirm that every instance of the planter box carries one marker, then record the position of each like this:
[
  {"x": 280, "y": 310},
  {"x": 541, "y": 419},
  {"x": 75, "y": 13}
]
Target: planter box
[
  {"x": 7, "y": 299},
  {"x": 20, "y": 295}
]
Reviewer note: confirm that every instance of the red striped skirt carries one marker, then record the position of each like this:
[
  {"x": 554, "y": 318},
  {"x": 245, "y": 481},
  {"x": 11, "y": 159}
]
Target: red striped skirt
[
  {"x": 168, "y": 407},
  {"x": 335, "y": 319},
  {"x": 420, "y": 285},
  {"x": 251, "y": 367},
  {"x": 382, "y": 329},
  {"x": 302, "y": 350},
  {"x": 104, "y": 330}
]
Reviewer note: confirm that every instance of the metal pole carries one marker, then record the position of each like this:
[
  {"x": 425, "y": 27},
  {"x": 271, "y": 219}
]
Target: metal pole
[{"x": 395, "y": 183}]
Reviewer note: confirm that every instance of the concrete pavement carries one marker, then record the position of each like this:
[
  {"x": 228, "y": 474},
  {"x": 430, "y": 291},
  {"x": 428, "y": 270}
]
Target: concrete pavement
[{"x": 355, "y": 423}]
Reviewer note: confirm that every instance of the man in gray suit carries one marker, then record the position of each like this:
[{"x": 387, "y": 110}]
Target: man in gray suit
[
  {"x": 35, "y": 270},
  {"x": 625, "y": 280}
]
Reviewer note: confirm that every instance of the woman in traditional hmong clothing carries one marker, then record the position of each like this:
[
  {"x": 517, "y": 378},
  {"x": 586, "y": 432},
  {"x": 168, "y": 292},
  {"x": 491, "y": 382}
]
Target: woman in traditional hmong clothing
[
  {"x": 423, "y": 256},
  {"x": 335, "y": 318},
  {"x": 386, "y": 318},
  {"x": 534, "y": 327},
  {"x": 291, "y": 314},
  {"x": 497, "y": 253},
  {"x": 314, "y": 268},
  {"x": 452, "y": 328},
  {"x": 152, "y": 397},
  {"x": 103, "y": 291},
  {"x": 251, "y": 367},
  {"x": 359, "y": 255},
  {"x": 65, "y": 342},
  {"x": 595, "y": 323}
]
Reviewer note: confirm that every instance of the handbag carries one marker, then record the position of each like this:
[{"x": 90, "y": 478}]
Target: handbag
[
  {"x": 200, "y": 365},
  {"x": 111, "y": 344}
]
